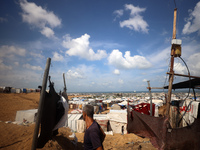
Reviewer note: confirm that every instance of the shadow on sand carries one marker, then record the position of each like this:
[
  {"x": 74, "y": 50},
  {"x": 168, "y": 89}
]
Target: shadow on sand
[{"x": 67, "y": 144}]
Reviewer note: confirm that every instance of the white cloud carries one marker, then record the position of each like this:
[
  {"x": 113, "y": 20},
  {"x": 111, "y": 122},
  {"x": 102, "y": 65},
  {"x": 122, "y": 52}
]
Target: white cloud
[
  {"x": 81, "y": 47},
  {"x": 3, "y": 66},
  {"x": 39, "y": 17},
  {"x": 116, "y": 71},
  {"x": 159, "y": 58},
  {"x": 10, "y": 51},
  {"x": 127, "y": 62},
  {"x": 134, "y": 10},
  {"x": 36, "y": 55},
  {"x": 193, "y": 22},
  {"x": 136, "y": 21},
  {"x": 179, "y": 68},
  {"x": 194, "y": 64},
  {"x": 28, "y": 66},
  {"x": 144, "y": 80},
  {"x": 118, "y": 13},
  {"x": 75, "y": 74},
  {"x": 48, "y": 32},
  {"x": 57, "y": 57}
]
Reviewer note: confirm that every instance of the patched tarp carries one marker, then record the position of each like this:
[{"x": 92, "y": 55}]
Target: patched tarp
[
  {"x": 52, "y": 112},
  {"x": 160, "y": 133}
]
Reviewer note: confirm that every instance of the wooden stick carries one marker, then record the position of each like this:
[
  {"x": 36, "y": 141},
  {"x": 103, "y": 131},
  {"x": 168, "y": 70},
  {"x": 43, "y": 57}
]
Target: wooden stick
[
  {"x": 150, "y": 98},
  {"x": 183, "y": 75},
  {"x": 65, "y": 88},
  {"x": 41, "y": 103}
]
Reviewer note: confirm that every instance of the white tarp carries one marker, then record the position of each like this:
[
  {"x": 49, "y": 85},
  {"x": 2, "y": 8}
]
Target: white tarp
[
  {"x": 124, "y": 103},
  {"x": 117, "y": 127},
  {"x": 191, "y": 111},
  {"x": 81, "y": 126},
  {"x": 26, "y": 115},
  {"x": 118, "y": 119},
  {"x": 64, "y": 119},
  {"x": 72, "y": 121},
  {"x": 158, "y": 102}
]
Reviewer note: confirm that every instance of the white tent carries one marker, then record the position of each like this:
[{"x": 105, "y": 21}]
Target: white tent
[
  {"x": 124, "y": 103},
  {"x": 72, "y": 121},
  {"x": 117, "y": 120}
]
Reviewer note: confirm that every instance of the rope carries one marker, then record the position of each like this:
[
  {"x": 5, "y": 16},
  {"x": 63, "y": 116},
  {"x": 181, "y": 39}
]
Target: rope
[{"x": 175, "y": 3}]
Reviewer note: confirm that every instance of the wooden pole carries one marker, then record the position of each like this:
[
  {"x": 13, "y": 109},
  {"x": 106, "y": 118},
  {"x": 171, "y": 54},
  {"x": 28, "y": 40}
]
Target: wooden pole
[
  {"x": 65, "y": 88},
  {"x": 41, "y": 103},
  {"x": 176, "y": 74},
  {"x": 156, "y": 88},
  {"x": 171, "y": 76},
  {"x": 150, "y": 97},
  {"x": 174, "y": 24}
]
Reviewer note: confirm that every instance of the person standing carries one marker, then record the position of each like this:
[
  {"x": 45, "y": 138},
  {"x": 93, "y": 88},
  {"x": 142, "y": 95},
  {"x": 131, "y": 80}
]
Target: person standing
[{"x": 94, "y": 134}]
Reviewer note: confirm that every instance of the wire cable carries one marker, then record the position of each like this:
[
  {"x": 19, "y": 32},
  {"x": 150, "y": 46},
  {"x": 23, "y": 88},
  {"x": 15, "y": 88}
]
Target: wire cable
[
  {"x": 175, "y": 3},
  {"x": 188, "y": 92},
  {"x": 189, "y": 77}
]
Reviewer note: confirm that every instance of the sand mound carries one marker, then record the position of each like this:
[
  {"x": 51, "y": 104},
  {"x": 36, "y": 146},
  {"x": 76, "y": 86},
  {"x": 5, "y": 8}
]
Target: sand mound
[{"x": 19, "y": 137}]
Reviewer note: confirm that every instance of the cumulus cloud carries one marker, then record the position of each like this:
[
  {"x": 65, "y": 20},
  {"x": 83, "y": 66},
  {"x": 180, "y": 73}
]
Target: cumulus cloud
[
  {"x": 81, "y": 47},
  {"x": 28, "y": 66},
  {"x": 48, "y": 32},
  {"x": 75, "y": 74},
  {"x": 194, "y": 64},
  {"x": 57, "y": 57},
  {"x": 10, "y": 51},
  {"x": 116, "y": 71},
  {"x": 179, "y": 68},
  {"x": 135, "y": 21},
  {"x": 39, "y": 17},
  {"x": 127, "y": 62},
  {"x": 193, "y": 21}
]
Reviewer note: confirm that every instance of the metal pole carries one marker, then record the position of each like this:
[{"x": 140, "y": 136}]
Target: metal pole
[
  {"x": 150, "y": 97},
  {"x": 41, "y": 103}
]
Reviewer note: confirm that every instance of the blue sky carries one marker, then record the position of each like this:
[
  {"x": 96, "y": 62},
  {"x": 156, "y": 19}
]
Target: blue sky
[{"x": 100, "y": 45}]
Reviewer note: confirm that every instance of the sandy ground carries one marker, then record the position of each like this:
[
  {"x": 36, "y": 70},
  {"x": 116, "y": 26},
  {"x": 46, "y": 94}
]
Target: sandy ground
[{"x": 19, "y": 137}]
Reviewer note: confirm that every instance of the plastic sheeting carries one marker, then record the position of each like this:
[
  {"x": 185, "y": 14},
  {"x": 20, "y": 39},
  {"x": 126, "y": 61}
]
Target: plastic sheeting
[
  {"x": 81, "y": 126},
  {"x": 64, "y": 118},
  {"x": 161, "y": 135}
]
